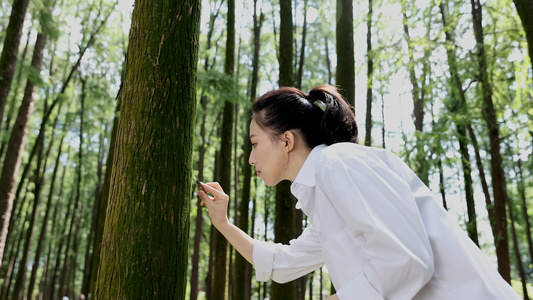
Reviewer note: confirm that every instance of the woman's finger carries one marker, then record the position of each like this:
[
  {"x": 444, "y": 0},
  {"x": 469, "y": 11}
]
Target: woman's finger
[{"x": 214, "y": 188}]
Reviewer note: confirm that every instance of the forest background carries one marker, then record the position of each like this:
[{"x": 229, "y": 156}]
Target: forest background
[{"x": 446, "y": 85}]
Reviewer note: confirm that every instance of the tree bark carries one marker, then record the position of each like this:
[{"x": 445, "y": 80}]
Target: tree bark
[
  {"x": 345, "y": 75},
  {"x": 497, "y": 173},
  {"x": 8, "y": 60},
  {"x": 147, "y": 226}
]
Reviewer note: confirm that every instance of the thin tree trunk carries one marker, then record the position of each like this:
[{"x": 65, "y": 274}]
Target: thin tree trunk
[
  {"x": 220, "y": 275},
  {"x": 345, "y": 75},
  {"x": 8, "y": 60},
  {"x": 298, "y": 83},
  {"x": 242, "y": 282},
  {"x": 459, "y": 107},
  {"x": 42, "y": 236},
  {"x": 525, "y": 11},
  {"x": 63, "y": 284},
  {"x": 418, "y": 94},
  {"x": 369, "y": 74},
  {"x": 497, "y": 173},
  {"x": 89, "y": 256},
  {"x": 21, "y": 275},
  {"x": 284, "y": 221},
  {"x": 328, "y": 60},
  {"x": 14, "y": 98},
  {"x": 522, "y": 191},
  {"x": 519, "y": 264},
  {"x": 147, "y": 226},
  {"x": 13, "y": 255},
  {"x": 16, "y": 143}
]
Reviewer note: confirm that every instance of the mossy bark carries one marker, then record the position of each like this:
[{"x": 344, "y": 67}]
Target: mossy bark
[{"x": 145, "y": 243}]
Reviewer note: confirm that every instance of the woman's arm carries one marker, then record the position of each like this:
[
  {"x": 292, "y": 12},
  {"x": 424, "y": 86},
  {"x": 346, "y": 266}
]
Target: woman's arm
[{"x": 217, "y": 207}]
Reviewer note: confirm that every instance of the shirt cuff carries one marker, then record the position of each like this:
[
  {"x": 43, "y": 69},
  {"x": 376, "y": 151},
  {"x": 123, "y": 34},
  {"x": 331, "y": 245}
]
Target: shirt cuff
[
  {"x": 358, "y": 288},
  {"x": 263, "y": 259}
]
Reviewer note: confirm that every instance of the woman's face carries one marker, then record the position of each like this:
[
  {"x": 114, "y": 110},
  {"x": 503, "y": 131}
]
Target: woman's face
[{"x": 268, "y": 156}]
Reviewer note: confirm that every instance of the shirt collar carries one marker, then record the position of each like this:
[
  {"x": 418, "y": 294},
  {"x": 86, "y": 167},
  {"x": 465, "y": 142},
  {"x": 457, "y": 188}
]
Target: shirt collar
[{"x": 306, "y": 176}]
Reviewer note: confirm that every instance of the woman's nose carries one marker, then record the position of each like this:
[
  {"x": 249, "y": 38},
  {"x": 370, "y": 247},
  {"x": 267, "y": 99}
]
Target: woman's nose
[{"x": 251, "y": 159}]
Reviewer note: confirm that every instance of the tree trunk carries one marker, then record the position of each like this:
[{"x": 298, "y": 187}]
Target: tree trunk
[
  {"x": 519, "y": 264},
  {"x": 497, "y": 173},
  {"x": 89, "y": 256},
  {"x": 369, "y": 74},
  {"x": 242, "y": 282},
  {"x": 147, "y": 226},
  {"x": 13, "y": 255},
  {"x": 328, "y": 60},
  {"x": 8, "y": 60},
  {"x": 418, "y": 93},
  {"x": 201, "y": 154},
  {"x": 16, "y": 143},
  {"x": 345, "y": 75},
  {"x": 76, "y": 214},
  {"x": 42, "y": 236},
  {"x": 522, "y": 191},
  {"x": 298, "y": 81},
  {"x": 11, "y": 112},
  {"x": 459, "y": 106},
  {"x": 104, "y": 199},
  {"x": 525, "y": 11},
  {"x": 284, "y": 229},
  {"x": 220, "y": 277}
]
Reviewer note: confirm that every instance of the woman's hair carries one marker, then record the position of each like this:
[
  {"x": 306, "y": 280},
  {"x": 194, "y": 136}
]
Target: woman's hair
[{"x": 320, "y": 117}]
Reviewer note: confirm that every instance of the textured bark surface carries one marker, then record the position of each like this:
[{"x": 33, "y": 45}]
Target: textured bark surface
[{"x": 145, "y": 243}]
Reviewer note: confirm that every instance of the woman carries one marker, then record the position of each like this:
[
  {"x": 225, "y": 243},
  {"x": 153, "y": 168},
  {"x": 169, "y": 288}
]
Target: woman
[{"x": 375, "y": 225}]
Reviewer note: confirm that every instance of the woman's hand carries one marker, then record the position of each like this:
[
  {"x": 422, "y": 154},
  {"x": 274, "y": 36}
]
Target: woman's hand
[
  {"x": 333, "y": 297},
  {"x": 217, "y": 206}
]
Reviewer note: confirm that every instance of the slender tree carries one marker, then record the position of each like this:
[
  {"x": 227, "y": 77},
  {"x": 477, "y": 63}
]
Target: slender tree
[
  {"x": 284, "y": 229},
  {"x": 146, "y": 229},
  {"x": 242, "y": 280},
  {"x": 369, "y": 74},
  {"x": 17, "y": 140},
  {"x": 220, "y": 279},
  {"x": 497, "y": 173},
  {"x": 345, "y": 75},
  {"x": 8, "y": 60},
  {"x": 525, "y": 11},
  {"x": 458, "y": 105}
]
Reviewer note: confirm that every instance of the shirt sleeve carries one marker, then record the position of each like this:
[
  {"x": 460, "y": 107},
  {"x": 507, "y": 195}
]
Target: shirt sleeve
[
  {"x": 283, "y": 263},
  {"x": 378, "y": 204}
]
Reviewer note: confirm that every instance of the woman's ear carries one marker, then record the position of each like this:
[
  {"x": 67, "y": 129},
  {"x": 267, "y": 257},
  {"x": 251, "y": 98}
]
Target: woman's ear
[{"x": 288, "y": 141}]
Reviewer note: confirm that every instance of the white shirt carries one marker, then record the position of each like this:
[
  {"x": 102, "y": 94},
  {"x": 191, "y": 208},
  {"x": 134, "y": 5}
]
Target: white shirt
[{"x": 379, "y": 231}]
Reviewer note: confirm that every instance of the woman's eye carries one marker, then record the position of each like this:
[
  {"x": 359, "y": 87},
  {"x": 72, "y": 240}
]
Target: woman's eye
[{"x": 253, "y": 145}]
